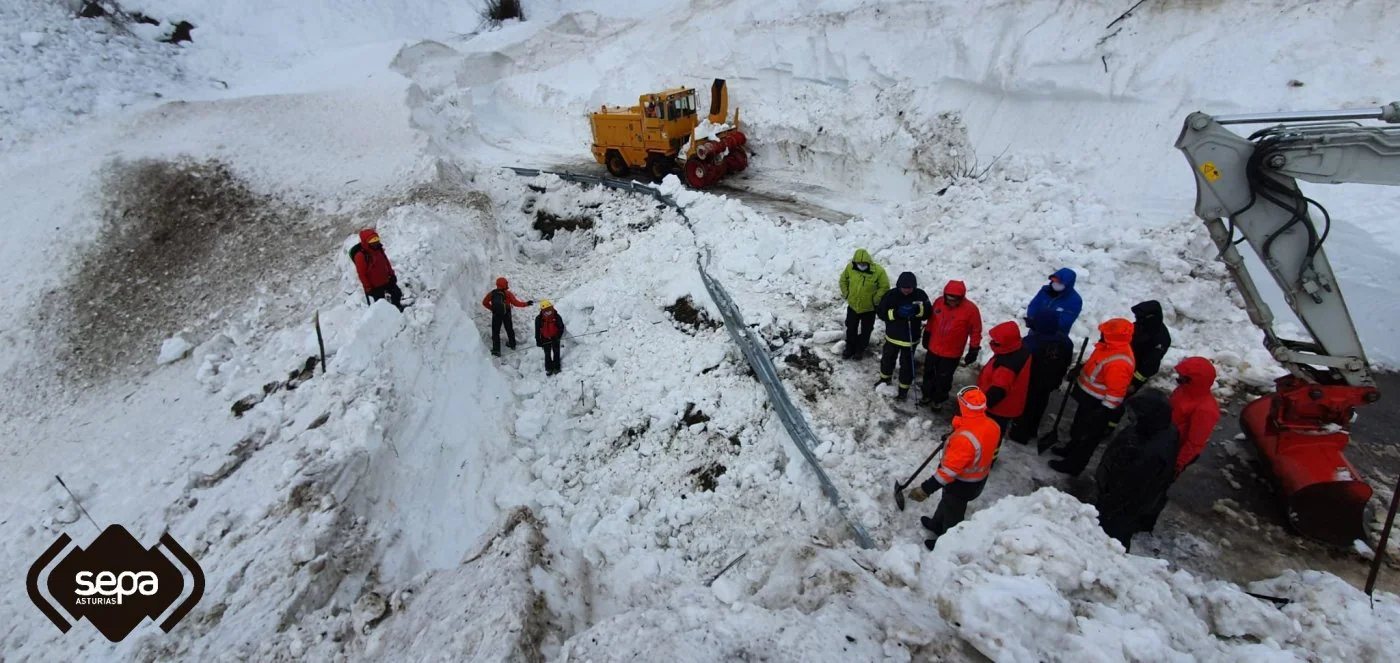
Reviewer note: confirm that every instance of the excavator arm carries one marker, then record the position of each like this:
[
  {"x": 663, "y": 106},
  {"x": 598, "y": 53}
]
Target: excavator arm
[{"x": 1247, "y": 191}]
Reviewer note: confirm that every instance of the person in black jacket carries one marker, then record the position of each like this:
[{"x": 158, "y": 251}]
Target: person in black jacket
[
  {"x": 549, "y": 333},
  {"x": 1137, "y": 467},
  {"x": 1051, "y": 354},
  {"x": 903, "y": 308},
  {"x": 1151, "y": 340}
]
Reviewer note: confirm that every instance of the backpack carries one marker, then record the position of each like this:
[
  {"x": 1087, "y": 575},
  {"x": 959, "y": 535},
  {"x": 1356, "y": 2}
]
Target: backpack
[
  {"x": 498, "y": 302},
  {"x": 549, "y": 326}
]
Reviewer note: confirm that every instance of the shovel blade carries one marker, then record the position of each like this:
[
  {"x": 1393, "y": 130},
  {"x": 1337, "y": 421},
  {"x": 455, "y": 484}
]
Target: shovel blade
[{"x": 899, "y": 495}]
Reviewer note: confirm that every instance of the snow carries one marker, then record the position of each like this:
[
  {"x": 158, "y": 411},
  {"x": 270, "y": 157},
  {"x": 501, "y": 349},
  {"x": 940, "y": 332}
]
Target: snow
[
  {"x": 173, "y": 350},
  {"x": 416, "y": 496}
]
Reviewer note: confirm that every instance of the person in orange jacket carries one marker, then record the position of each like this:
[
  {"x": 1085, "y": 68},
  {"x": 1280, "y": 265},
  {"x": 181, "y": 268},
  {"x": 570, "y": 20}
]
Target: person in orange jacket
[
  {"x": 1007, "y": 377},
  {"x": 967, "y": 461},
  {"x": 954, "y": 323},
  {"x": 1101, "y": 385},
  {"x": 498, "y": 302}
]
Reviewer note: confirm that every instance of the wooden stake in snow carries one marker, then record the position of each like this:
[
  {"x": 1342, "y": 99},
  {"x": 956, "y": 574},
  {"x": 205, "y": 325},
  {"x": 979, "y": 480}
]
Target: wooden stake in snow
[
  {"x": 316, "y": 320},
  {"x": 1380, "y": 549},
  {"x": 99, "y": 529}
]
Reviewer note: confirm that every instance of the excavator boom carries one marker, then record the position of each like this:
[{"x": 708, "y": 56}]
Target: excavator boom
[{"x": 1247, "y": 191}]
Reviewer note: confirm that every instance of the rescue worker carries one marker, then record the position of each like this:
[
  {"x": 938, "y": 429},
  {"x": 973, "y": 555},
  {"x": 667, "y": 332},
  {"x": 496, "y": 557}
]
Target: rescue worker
[
  {"x": 376, "y": 273},
  {"x": 903, "y": 308},
  {"x": 954, "y": 324},
  {"x": 963, "y": 469},
  {"x": 1051, "y": 354},
  {"x": 1101, "y": 385},
  {"x": 863, "y": 282},
  {"x": 1194, "y": 408},
  {"x": 1137, "y": 469},
  {"x": 1195, "y": 412},
  {"x": 549, "y": 333},
  {"x": 1059, "y": 296},
  {"x": 498, "y": 302},
  {"x": 1006, "y": 378},
  {"x": 1151, "y": 340}
]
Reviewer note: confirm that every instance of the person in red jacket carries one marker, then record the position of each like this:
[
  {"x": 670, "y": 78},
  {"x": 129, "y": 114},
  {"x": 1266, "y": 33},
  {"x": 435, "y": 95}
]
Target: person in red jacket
[
  {"x": 498, "y": 302},
  {"x": 954, "y": 323},
  {"x": 1194, "y": 409},
  {"x": 1007, "y": 377},
  {"x": 1195, "y": 412},
  {"x": 375, "y": 272}
]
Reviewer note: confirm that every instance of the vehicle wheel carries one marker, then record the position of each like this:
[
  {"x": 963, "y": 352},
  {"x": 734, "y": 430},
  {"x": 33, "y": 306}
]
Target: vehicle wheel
[
  {"x": 697, "y": 174},
  {"x": 617, "y": 165},
  {"x": 659, "y": 167},
  {"x": 737, "y": 160}
]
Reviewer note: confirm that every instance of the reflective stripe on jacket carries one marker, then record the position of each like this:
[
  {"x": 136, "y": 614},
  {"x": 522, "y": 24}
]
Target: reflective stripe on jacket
[
  {"x": 968, "y": 458},
  {"x": 1107, "y": 377}
]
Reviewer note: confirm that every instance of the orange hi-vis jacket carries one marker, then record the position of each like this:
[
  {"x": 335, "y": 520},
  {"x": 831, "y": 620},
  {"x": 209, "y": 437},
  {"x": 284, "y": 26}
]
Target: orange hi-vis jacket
[
  {"x": 1109, "y": 371},
  {"x": 974, "y": 443}
]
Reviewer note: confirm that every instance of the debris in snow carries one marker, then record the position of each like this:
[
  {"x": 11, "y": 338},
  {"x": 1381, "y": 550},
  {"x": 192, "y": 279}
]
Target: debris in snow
[
  {"x": 684, "y": 312},
  {"x": 173, "y": 349},
  {"x": 548, "y": 223},
  {"x": 368, "y": 610}
]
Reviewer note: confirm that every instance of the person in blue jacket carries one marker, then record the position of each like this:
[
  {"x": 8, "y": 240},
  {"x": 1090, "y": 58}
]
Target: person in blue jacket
[{"x": 1059, "y": 296}]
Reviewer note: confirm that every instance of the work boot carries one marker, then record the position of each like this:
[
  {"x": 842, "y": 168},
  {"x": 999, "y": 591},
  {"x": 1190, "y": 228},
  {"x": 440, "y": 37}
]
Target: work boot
[
  {"x": 929, "y": 524},
  {"x": 903, "y": 394},
  {"x": 930, "y": 543},
  {"x": 925, "y": 400},
  {"x": 510, "y": 344},
  {"x": 881, "y": 381},
  {"x": 1062, "y": 465},
  {"x": 1061, "y": 452},
  {"x": 848, "y": 353},
  {"x": 495, "y": 352}
]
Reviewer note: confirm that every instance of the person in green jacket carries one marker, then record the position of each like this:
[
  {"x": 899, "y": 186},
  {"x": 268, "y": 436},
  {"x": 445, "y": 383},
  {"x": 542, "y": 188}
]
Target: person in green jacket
[{"x": 863, "y": 283}]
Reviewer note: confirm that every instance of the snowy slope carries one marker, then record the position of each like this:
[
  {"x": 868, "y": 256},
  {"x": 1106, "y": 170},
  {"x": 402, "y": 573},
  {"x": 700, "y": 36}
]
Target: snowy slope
[
  {"x": 424, "y": 500},
  {"x": 828, "y": 104}
]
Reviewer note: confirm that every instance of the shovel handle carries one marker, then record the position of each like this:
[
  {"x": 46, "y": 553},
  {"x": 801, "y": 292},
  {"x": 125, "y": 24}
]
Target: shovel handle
[
  {"x": 1069, "y": 385},
  {"x": 928, "y": 460}
]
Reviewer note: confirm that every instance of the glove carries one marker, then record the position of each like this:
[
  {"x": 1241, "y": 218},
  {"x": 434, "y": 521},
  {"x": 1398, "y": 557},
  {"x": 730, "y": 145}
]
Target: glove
[
  {"x": 971, "y": 357},
  {"x": 905, "y": 310},
  {"x": 918, "y": 494},
  {"x": 1074, "y": 373}
]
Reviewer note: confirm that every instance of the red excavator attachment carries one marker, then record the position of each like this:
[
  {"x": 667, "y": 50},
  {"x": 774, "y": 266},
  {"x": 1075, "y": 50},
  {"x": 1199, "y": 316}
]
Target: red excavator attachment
[{"x": 1301, "y": 430}]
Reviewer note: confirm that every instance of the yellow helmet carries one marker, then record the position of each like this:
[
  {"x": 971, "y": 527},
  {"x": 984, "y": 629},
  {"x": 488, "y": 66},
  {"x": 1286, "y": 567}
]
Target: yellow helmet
[{"x": 545, "y": 303}]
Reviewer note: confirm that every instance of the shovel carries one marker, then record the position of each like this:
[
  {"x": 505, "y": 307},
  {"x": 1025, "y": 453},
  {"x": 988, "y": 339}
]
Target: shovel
[
  {"x": 1052, "y": 438},
  {"x": 899, "y": 487}
]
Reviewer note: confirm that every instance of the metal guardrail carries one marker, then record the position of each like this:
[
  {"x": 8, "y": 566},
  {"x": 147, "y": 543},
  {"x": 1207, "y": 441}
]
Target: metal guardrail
[{"x": 755, "y": 350}]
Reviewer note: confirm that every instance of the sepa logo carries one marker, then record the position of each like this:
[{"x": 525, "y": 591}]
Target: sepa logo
[{"x": 115, "y": 583}]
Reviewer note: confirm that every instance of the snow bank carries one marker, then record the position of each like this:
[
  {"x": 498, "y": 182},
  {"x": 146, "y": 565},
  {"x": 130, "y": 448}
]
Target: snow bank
[{"x": 1031, "y": 578}]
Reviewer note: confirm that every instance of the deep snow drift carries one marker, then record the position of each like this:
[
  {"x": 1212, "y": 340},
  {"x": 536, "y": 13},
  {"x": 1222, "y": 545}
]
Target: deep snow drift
[{"x": 421, "y": 498}]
